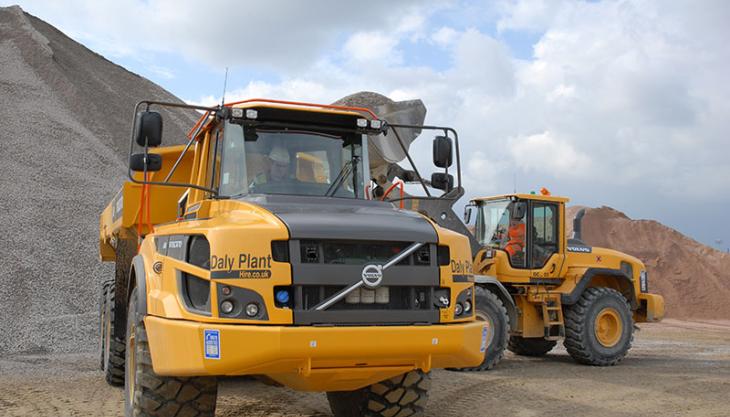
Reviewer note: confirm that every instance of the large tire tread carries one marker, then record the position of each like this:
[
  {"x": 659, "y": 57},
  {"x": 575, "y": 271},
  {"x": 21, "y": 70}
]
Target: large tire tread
[
  {"x": 114, "y": 366},
  {"x": 403, "y": 396},
  {"x": 163, "y": 396},
  {"x": 577, "y": 338},
  {"x": 530, "y": 346}
]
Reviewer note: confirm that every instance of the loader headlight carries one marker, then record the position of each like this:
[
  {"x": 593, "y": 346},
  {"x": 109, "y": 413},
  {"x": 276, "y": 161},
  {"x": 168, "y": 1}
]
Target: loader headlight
[
  {"x": 467, "y": 306},
  {"x": 643, "y": 281}
]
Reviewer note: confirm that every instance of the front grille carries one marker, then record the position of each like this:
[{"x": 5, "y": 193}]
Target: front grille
[{"x": 323, "y": 268}]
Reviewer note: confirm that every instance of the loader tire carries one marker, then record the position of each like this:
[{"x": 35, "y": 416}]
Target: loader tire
[
  {"x": 599, "y": 328},
  {"x": 112, "y": 353},
  {"x": 147, "y": 394},
  {"x": 490, "y": 309},
  {"x": 404, "y": 395},
  {"x": 530, "y": 346}
]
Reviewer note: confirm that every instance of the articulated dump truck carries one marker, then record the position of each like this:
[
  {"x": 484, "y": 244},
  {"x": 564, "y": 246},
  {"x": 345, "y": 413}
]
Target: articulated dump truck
[{"x": 262, "y": 247}]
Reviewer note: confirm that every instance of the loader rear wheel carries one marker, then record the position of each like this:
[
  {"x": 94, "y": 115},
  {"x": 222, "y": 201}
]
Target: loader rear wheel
[
  {"x": 148, "y": 394},
  {"x": 404, "y": 395},
  {"x": 491, "y": 310},
  {"x": 530, "y": 346},
  {"x": 112, "y": 347},
  {"x": 599, "y": 328}
]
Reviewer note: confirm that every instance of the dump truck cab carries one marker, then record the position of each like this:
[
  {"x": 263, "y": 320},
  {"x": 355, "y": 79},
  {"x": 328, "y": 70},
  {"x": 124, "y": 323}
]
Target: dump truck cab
[
  {"x": 258, "y": 249},
  {"x": 556, "y": 287}
]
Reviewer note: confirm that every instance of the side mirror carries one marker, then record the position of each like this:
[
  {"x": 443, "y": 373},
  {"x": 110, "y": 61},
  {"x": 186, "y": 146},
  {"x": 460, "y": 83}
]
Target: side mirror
[
  {"x": 518, "y": 210},
  {"x": 138, "y": 161},
  {"x": 442, "y": 152},
  {"x": 442, "y": 181},
  {"x": 149, "y": 129}
]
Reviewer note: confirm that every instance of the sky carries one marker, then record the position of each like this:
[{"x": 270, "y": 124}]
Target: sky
[{"x": 617, "y": 103}]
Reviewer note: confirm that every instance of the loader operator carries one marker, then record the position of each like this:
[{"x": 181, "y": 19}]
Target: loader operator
[{"x": 516, "y": 244}]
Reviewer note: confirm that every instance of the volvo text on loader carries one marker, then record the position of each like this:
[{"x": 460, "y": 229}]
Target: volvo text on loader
[{"x": 258, "y": 249}]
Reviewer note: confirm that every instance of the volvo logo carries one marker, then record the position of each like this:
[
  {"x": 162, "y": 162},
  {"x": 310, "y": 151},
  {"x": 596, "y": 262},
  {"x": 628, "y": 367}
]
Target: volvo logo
[{"x": 372, "y": 275}]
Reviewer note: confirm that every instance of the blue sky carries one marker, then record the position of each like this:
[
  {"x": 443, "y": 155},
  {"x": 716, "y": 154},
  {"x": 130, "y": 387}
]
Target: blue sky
[{"x": 618, "y": 103}]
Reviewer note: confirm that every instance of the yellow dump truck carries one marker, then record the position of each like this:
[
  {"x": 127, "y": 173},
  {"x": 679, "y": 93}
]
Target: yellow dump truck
[
  {"x": 536, "y": 286},
  {"x": 258, "y": 248}
]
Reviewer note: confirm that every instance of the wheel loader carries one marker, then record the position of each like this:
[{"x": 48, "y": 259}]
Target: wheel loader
[
  {"x": 261, "y": 247},
  {"x": 535, "y": 286}
]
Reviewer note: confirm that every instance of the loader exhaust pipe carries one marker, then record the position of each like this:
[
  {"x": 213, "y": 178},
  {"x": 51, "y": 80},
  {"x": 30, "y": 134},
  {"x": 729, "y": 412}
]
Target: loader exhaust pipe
[{"x": 578, "y": 225}]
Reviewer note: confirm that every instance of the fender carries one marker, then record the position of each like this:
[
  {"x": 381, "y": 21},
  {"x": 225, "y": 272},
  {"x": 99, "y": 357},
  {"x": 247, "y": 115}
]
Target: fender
[
  {"x": 138, "y": 279},
  {"x": 626, "y": 285},
  {"x": 501, "y": 292}
]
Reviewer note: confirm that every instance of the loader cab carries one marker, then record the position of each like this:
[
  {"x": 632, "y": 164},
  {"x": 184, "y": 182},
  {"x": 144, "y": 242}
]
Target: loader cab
[{"x": 526, "y": 231}]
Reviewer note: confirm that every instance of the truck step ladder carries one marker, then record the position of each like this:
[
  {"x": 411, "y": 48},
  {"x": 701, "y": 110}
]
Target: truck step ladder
[{"x": 552, "y": 313}]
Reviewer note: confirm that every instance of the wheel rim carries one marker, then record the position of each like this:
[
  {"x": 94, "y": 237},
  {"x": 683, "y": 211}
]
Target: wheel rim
[
  {"x": 608, "y": 327},
  {"x": 490, "y": 326},
  {"x": 132, "y": 374}
]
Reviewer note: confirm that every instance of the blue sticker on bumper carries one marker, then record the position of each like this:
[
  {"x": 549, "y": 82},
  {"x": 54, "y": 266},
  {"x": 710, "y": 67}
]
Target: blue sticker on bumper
[{"x": 212, "y": 344}]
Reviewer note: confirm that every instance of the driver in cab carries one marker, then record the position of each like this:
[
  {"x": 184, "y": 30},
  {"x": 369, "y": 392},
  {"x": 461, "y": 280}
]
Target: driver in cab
[{"x": 279, "y": 168}]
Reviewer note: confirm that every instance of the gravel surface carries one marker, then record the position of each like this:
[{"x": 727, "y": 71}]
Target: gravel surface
[
  {"x": 675, "y": 369},
  {"x": 65, "y": 115}
]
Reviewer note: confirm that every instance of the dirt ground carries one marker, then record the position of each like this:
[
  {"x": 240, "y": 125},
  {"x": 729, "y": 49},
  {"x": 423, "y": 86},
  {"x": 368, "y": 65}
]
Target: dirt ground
[{"x": 674, "y": 369}]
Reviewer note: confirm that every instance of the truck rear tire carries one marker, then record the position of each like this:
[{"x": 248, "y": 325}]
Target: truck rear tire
[
  {"x": 112, "y": 347},
  {"x": 530, "y": 346},
  {"x": 148, "y": 394},
  {"x": 599, "y": 328},
  {"x": 491, "y": 310},
  {"x": 404, "y": 395}
]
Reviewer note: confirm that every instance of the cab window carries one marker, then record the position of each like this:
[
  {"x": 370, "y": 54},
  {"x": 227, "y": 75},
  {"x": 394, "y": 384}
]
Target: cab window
[{"x": 544, "y": 233}]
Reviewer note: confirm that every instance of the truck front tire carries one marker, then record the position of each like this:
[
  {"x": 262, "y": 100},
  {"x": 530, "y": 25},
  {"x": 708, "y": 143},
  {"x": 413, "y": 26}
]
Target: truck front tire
[
  {"x": 148, "y": 394},
  {"x": 599, "y": 328},
  {"x": 404, "y": 395}
]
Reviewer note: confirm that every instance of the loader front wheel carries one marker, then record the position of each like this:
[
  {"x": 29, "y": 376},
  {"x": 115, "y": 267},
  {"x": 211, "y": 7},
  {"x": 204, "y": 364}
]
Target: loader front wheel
[
  {"x": 599, "y": 328},
  {"x": 148, "y": 394},
  {"x": 491, "y": 310},
  {"x": 112, "y": 346},
  {"x": 404, "y": 395},
  {"x": 530, "y": 346}
]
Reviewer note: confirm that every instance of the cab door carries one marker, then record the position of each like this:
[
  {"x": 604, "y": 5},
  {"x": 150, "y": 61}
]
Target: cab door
[{"x": 544, "y": 253}]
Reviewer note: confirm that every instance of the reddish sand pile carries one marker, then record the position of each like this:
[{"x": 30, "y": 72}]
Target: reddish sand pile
[{"x": 693, "y": 278}]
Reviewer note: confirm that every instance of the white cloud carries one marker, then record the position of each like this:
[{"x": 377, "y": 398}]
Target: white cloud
[
  {"x": 365, "y": 47},
  {"x": 545, "y": 153}
]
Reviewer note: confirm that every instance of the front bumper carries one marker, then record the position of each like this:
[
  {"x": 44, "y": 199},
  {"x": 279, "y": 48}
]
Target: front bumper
[
  {"x": 312, "y": 358},
  {"x": 651, "y": 308}
]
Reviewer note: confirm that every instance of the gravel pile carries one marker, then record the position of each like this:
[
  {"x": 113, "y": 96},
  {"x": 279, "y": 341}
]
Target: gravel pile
[{"x": 65, "y": 115}]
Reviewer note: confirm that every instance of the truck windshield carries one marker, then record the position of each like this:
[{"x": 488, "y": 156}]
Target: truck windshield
[
  {"x": 288, "y": 161},
  {"x": 493, "y": 223}
]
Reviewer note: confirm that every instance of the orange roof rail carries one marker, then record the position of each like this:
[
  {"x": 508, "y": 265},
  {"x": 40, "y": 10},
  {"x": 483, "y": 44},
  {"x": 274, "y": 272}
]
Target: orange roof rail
[{"x": 294, "y": 103}]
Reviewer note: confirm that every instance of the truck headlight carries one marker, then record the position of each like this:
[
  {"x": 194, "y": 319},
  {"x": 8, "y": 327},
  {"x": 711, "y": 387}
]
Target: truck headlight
[{"x": 643, "y": 281}]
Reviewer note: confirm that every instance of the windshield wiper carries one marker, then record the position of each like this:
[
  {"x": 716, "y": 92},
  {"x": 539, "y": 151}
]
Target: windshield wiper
[{"x": 342, "y": 176}]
